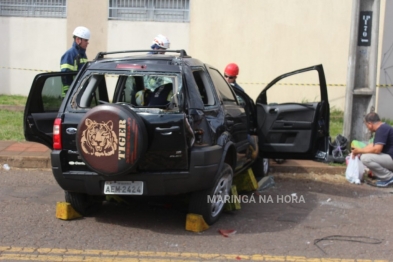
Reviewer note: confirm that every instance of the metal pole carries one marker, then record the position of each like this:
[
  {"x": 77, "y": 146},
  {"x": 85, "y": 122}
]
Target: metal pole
[
  {"x": 351, "y": 69},
  {"x": 362, "y": 68}
]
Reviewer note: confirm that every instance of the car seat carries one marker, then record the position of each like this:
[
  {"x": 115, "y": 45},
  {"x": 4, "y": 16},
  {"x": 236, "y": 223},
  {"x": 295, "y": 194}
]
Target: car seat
[{"x": 161, "y": 96}]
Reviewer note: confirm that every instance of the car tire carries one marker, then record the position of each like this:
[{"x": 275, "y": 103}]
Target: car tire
[
  {"x": 210, "y": 203},
  {"x": 111, "y": 139},
  {"x": 82, "y": 203},
  {"x": 260, "y": 167}
]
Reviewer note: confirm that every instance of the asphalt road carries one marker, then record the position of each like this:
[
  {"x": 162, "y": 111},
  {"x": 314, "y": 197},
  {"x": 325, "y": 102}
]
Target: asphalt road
[{"x": 279, "y": 224}]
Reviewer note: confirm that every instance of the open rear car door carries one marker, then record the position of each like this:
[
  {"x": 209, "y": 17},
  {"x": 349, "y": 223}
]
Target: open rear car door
[
  {"x": 297, "y": 125},
  {"x": 43, "y": 105}
]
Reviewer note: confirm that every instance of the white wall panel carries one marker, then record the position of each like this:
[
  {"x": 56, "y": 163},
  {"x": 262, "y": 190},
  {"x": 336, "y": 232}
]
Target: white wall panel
[
  {"x": 29, "y": 44},
  {"x": 126, "y": 35}
]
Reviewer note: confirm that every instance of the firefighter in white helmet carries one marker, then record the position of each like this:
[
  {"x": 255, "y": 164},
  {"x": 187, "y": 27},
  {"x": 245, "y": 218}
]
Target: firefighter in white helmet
[
  {"x": 160, "y": 42},
  {"x": 75, "y": 57}
]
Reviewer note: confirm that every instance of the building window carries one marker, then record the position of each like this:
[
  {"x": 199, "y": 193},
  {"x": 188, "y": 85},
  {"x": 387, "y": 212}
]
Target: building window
[
  {"x": 34, "y": 8},
  {"x": 150, "y": 10}
]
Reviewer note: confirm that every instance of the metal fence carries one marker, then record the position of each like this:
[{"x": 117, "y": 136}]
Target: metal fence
[
  {"x": 131, "y": 10},
  {"x": 150, "y": 10},
  {"x": 34, "y": 8}
]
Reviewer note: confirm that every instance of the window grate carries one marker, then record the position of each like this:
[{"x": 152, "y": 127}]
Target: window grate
[
  {"x": 34, "y": 8},
  {"x": 150, "y": 10}
]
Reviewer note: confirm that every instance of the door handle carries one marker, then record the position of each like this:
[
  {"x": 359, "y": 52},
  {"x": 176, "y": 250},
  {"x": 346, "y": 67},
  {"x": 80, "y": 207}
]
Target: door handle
[
  {"x": 166, "y": 131},
  {"x": 28, "y": 119},
  {"x": 273, "y": 111}
]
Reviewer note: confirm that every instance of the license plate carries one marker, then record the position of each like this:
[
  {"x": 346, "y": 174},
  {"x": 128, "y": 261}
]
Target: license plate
[{"x": 123, "y": 188}]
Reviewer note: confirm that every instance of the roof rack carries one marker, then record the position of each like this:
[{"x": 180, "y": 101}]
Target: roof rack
[{"x": 101, "y": 55}]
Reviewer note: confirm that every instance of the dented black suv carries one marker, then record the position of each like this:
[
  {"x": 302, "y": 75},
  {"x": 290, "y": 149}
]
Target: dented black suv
[{"x": 155, "y": 125}]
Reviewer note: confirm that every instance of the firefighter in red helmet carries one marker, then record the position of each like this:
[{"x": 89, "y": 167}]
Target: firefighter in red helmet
[{"x": 230, "y": 73}]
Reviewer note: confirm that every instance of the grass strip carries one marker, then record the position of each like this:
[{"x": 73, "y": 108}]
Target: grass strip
[{"x": 11, "y": 123}]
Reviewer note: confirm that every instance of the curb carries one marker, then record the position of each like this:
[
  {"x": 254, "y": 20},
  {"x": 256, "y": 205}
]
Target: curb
[
  {"x": 44, "y": 162},
  {"x": 331, "y": 170},
  {"x": 26, "y": 162}
]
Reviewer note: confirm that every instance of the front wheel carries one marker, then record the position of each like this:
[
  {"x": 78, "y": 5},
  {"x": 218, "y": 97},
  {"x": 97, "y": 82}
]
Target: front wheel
[{"x": 210, "y": 202}]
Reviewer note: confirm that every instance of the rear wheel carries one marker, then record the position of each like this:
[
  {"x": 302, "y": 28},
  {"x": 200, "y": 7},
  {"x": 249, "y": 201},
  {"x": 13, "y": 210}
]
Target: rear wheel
[
  {"x": 82, "y": 203},
  {"x": 210, "y": 203}
]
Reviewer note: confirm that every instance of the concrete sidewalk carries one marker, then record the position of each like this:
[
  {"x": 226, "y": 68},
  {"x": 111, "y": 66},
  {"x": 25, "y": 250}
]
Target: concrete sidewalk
[{"x": 35, "y": 155}]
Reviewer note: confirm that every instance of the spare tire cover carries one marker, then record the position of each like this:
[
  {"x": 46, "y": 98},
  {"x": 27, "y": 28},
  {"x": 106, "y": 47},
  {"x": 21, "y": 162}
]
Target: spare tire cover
[{"x": 111, "y": 139}]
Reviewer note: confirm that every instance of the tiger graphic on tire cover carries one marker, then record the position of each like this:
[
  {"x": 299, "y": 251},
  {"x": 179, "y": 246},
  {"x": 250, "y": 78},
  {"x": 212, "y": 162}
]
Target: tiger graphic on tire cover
[{"x": 99, "y": 139}]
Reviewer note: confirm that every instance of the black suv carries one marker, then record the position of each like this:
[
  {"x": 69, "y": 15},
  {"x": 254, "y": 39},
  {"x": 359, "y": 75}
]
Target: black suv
[{"x": 154, "y": 125}]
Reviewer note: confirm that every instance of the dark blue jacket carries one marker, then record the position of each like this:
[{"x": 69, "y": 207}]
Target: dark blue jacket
[
  {"x": 235, "y": 85},
  {"x": 72, "y": 60}
]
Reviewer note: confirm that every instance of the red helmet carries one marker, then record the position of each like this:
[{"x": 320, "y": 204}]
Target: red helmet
[{"x": 232, "y": 69}]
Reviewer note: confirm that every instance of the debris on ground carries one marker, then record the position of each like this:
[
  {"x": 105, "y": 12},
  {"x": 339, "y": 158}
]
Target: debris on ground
[
  {"x": 266, "y": 183},
  {"x": 358, "y": 239},
  {"x": 117, "y": 199},
  {"x": 227, "y": 232}
]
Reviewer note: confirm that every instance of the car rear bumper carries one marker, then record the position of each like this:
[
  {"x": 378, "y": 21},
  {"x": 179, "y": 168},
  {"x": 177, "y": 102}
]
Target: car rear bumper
[{"x": 204, "y": 164}]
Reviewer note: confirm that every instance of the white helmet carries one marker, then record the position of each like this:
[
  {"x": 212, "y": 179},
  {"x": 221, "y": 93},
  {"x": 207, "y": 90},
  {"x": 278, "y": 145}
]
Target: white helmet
[
  {"x": 161, "y": 41},
  {"x": 82, "y": 32}
]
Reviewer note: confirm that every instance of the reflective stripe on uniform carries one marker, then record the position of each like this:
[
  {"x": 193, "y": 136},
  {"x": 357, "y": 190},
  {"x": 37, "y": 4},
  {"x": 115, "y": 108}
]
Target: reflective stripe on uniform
[
  {"x": 64, "y": 91},
  {"x": 68, "y": 66}
]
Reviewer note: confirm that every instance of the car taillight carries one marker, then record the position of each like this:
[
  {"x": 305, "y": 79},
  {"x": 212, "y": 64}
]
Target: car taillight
[{"x": 57, "y": 134}]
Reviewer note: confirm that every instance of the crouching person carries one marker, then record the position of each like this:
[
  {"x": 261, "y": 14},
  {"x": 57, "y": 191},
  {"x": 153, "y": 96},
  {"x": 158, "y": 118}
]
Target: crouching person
[{"x": 377, "y": 156}]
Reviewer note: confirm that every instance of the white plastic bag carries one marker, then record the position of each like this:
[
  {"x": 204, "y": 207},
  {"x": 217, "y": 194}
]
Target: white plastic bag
[{"x": 355, "y": 170}]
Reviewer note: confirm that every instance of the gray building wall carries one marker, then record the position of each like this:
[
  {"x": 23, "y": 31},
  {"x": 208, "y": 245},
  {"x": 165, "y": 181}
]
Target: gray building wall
[{"x": 385, "y": 90}]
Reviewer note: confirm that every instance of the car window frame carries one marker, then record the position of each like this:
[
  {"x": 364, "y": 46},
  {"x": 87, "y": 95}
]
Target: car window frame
[{"x": 218, "y": 90}]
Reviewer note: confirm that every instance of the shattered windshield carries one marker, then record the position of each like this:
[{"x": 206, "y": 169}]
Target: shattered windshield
[{"x": 163, "y": 91}]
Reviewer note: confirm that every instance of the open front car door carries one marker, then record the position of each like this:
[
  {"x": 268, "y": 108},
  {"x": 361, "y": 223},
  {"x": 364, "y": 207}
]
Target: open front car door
[{"x": 296, "y": 125}]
